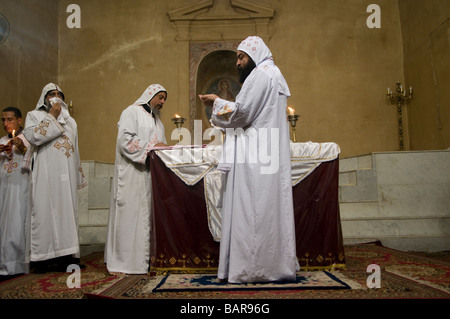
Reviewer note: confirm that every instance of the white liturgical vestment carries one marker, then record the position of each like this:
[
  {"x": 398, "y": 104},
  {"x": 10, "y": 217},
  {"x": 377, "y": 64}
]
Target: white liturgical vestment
[
  {"x": 13, "y": 211},
  {"x": 56, "y": 175},
  {"x": 127, "y": 248},
  {"x": 257, "y": 237}
]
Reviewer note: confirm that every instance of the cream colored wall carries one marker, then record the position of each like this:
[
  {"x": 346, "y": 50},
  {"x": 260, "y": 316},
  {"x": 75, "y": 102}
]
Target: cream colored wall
[
  {"x": 337, "y": 68},
  {"x": 426, "y": 38},
  {"x": 29, "y": 57},
  {"x": 121, "y": 48}
]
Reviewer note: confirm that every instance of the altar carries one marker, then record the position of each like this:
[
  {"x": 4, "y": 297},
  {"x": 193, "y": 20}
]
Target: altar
[{"x": 186, "y": 214}]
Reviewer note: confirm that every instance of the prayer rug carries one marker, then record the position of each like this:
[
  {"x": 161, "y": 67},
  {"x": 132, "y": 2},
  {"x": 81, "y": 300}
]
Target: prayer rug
[
  {"x": 128, "y": 287},
  {"x": 404, "y": 275},
  {"x": 54, "y": 285},
  {"x": 413, "y": 266},
  {"x": 210, "y": 282}
]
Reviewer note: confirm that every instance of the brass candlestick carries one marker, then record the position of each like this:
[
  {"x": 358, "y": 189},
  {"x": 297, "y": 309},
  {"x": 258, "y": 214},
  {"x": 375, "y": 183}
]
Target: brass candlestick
[
  {"x": 292, "y": 118},
  {"x": 178, "y": 121},
  {"x": 400, "y": 98},
  {"x": 70, "y": 107}
]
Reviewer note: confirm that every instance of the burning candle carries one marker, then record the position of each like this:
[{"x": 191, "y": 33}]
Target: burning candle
[
  {"x": 178, "y": 120},
  {"x": 291, "y": 110},
  {"x": 13, "y": 133}
]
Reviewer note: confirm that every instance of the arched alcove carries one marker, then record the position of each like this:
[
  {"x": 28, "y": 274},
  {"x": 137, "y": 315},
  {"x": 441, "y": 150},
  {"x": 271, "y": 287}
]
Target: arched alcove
[
  {"x": 209, "y": 63},
  {"x": 216, "y": 74}
]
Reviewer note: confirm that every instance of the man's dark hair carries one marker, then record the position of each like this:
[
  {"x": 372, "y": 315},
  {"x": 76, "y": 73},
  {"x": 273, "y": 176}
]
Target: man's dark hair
[{"x": 16, "y": 111}]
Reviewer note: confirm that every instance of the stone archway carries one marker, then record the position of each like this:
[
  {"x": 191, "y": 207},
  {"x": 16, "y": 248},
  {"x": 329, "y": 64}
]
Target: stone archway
[
  {"x": 206, "y": 26},
  {"x": 211, "y": 64}
]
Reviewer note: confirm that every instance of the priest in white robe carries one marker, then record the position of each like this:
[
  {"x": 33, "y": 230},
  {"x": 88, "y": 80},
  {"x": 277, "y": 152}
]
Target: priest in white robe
[
  {"x": 56, "y": 175},
  {"x": 258, "y": 234},
  {"x": 127, "y": 249},
  {"x": 13, "y": 195}
]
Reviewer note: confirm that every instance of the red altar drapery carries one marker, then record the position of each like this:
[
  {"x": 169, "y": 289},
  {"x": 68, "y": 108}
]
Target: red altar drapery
[{"x": 181, "y": 240}]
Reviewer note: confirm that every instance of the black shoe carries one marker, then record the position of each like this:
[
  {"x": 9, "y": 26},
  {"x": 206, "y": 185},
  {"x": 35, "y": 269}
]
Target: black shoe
[
  {"x": 39, "y": 267},
  {"x": 8, "y": 277}
]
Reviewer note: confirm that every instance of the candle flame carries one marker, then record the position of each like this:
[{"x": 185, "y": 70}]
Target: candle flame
[
  {"x": 177, "y": 116},
  {"x": 291, "y": 110},
  {"x": 14, "y": 133}
]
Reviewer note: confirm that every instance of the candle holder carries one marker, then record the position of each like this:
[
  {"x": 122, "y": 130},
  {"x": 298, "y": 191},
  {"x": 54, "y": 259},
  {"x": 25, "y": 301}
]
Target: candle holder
[
  {"x": 399, "y": 98},
  {"x": 70, "y": 107},
  {"x": 293, "y": 120},
  {"x": 179, "y": 121}
]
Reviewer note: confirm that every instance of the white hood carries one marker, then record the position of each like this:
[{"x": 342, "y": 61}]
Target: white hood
[
  {"x": 64, "y": 116},
  {"x": 149, "y": 93},
  {"x": 256, "y": 49}
]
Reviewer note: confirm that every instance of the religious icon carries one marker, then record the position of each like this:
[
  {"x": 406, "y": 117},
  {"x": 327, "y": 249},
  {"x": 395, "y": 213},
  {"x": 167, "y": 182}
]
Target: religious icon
[
  {"x": 225, "y": 88},
  {"x": 224, "y": 93}
]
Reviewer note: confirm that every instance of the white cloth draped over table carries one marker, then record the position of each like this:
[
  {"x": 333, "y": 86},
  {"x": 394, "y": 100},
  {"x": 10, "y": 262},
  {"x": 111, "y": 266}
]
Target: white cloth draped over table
[
  {"x": 193, "y": 164},
  {"x": 305, "y": 157}
]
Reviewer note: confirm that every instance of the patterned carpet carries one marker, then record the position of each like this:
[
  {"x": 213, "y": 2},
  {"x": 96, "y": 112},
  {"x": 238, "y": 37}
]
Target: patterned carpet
[{"x": 404, "y": 275}]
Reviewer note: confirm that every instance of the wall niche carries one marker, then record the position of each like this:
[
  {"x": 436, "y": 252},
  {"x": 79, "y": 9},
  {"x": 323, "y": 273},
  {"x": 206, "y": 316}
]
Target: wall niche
[{"x": 218, "y": 75}]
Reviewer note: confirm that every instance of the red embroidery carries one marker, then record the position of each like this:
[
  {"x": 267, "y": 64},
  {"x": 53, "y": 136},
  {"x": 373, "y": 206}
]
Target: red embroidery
[{"x": 133, "y": 146}]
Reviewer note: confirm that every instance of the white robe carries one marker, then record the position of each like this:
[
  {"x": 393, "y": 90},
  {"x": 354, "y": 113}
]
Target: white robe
[
  {"x": 258, "y": 235},
  {"x": 55, "y": 177},
  {"x": 13, "y": 211},
  {"x": 127, "y": 248}
]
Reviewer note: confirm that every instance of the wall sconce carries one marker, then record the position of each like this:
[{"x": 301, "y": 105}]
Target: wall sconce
[{"x": 71, "y": 110}]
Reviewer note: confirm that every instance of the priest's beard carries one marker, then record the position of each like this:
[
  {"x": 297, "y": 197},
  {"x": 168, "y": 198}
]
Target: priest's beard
[
  {"x": 154, "y": 110},
  {"x": 245, "y": 71}
]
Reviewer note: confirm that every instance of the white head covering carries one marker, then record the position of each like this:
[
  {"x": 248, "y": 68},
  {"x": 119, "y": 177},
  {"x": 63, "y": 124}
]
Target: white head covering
[
  {"x": 149, "y": 93},
  {"x": 258, "y": 51},
  {"x": 64, "y": 116}
]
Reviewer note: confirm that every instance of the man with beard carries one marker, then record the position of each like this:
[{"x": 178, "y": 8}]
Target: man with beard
[
  {"x": 257, "y": 236},
  {"x": 56, "y": 175},
  {"x": 127, "y": 249}
]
